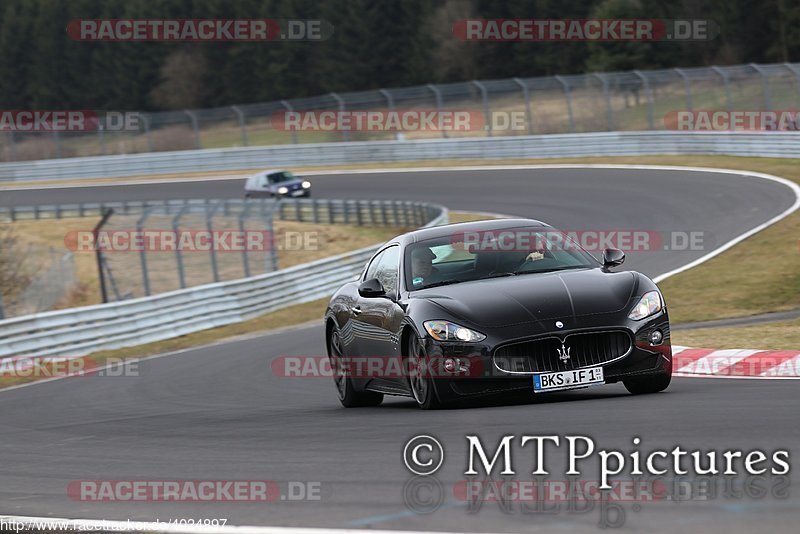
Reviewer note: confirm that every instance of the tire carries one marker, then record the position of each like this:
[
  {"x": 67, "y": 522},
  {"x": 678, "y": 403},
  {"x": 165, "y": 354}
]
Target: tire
[
  {"x": 420, "y": 381},
  {"x": 648, "y": 384},
  {"x": 348, "y": 395}
]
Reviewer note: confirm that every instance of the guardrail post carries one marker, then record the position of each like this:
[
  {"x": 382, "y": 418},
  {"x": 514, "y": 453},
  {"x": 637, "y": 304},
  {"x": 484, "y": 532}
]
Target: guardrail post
[
  {"x": 687, "y": 87},
  {"x": 765, "y": 82},
  {"x": 568, "y": 95},
  {"x": 607, "y": 96},
  {"x": 315, "y": 210},
  {"x": 438, "y": 95},
  {"x": 728, "y": 98},
  {"x": 242, "y": 125},
  {"x": 340, "y": 101},
  {"x": 178, "y": 255},
  {"x": 649, "y": 95},
  {"x": 487, "y": 114},
  {"x": 794, "y": 70},
  {"x": 359, "y": 219},
  {"x": 195, "y": 127},
  {"x": 288, "y": 106},
  {"x": 99, "y": 254},
  {"x": 526, "y": 94}
]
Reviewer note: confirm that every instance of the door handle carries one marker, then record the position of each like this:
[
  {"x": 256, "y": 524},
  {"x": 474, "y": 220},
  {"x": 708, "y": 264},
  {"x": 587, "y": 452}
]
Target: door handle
[{"x": 356, "y": 310}]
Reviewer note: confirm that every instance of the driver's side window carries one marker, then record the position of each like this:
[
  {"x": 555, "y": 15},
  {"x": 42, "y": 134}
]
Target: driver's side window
[{"x": 385, "y": 267}]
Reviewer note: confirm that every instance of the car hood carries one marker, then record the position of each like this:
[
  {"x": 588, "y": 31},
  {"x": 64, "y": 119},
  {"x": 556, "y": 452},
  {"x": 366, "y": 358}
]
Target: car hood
[{"x": 529, "y": 298}]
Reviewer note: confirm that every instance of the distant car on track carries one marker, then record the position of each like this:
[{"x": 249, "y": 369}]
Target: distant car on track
[
  {"x": 276, "y": 183},
  {"x": 491, "y": 307}
]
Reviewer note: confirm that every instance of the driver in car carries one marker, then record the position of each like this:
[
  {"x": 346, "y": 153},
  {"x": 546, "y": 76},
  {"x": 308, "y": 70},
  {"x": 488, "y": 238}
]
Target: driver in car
[{"x": 422, "y": 269}]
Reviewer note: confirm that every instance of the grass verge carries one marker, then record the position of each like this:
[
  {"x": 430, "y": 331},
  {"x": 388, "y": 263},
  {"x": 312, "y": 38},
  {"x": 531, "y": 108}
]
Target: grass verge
[{"x": 772, "y": 336}]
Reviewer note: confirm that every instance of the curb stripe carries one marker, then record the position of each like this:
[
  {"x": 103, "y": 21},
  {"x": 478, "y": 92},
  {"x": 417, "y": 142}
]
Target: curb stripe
[{"x": 736, "y": 363}]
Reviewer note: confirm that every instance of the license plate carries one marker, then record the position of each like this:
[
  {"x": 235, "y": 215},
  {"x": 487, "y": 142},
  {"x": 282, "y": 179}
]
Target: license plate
[
  {"x": 297, "y": 193},
  {"x": 578, "y": 378}
]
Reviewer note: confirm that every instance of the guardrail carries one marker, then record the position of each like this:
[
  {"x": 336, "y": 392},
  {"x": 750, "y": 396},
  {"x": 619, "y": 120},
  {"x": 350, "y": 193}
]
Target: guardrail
[
  {"x": 80, "y": 331},
  {"x": 770, "y": 144},
  {"x": 323, "y": 210}
]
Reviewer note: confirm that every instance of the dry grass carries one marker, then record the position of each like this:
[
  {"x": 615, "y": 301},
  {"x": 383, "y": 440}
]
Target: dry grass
[{"x": 777, "y": 336}]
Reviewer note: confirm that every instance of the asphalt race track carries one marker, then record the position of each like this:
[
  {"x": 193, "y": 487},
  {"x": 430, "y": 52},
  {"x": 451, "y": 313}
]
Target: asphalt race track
[{"x": 221, "y": 413}]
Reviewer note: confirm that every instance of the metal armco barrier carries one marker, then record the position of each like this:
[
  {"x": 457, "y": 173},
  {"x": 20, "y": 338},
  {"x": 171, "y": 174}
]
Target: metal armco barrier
[
  {"x": 766, "y": 144},
  {"x": 80, "y": 331}
]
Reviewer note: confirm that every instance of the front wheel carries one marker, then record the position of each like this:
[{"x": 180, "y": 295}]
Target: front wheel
[
  {"x": 348, "y": 395},
  {"x": 420, "y": 379},
  {"x": 648, "y": 384}
]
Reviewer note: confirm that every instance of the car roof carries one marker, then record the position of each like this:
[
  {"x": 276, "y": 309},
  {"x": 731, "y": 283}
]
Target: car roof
[{"x": 446, "y": 230}]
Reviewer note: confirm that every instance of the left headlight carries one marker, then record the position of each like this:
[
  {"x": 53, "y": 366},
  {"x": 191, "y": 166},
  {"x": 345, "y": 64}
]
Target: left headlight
[
  {"x": 306, "y": 184},
  {"x": 648, "y": 305},
  {"x": 447, "y": 331},
  {"x": 282, "y": 190}
]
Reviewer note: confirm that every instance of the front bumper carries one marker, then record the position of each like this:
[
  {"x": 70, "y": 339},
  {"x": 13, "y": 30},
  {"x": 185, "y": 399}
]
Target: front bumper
[{"x": 483, "y": 377}]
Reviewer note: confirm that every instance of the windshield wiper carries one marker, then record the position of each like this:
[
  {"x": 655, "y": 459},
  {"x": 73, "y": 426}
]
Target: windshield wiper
[
  {"x": 552, "y": 269},
  {"x": 441, "y": 283},
  {"x": 498, "y": 275}
]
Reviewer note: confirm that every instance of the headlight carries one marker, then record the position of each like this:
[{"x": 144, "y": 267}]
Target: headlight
[
  {"x": 306, "y": 185},
  {"x": 282, "y": 190},
  {"x": 447, "y": 331},
  {"x": 649, "y": 304}
]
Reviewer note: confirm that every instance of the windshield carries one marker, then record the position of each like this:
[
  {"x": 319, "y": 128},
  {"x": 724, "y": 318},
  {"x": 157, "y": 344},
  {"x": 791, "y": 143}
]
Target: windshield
[
  {"x": 479, "y": 255},
  {"x": 280, "y": 177}
]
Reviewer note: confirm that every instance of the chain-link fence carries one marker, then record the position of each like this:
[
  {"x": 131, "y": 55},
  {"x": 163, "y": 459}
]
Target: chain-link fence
[
  {"x": 43, "y": 277},
  {"x": 636, "y": 100}
]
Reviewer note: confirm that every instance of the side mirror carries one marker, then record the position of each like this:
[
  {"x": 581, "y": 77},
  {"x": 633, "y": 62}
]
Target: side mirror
[
  {"x": 613, "y": 257},
  {"x": 371, "y": 288}
]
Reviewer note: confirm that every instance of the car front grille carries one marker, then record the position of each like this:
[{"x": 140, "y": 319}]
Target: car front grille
[{"x": 544, "y": 355}]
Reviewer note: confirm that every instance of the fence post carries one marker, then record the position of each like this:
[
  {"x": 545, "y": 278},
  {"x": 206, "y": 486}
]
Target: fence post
[
  {"x": 178, "y": 256},
  {"x": 649, "y": 95},
  {"x": 101, "y": 135},
  {"x": 724, "y": 75},
  {"x": 142, "y": 255},
  {"x": 242, "y": 125},
  {"x": 99, "y": 254},
  {"x": 288, "y": 106},
  {"x": 340, "y": 101},
  {"x": 146, "y": 123},
  {"x": 607, "y": 96},
  {"x": 765, "y": 81},
  {"x": 568, "y": 95},
  {"x": 687, "y": 87},
  {"x": 438, "y": 95},
  {"x": 57, "y": 141},
  {"x": 487, "y": 114},
  {"x": 195, "y": 127},
  {"x": 527, "y": 96},
  {"x": 12, "y": 144},
  {"x": 210, "y": 227},
  {"x": 242, "y": 216}
]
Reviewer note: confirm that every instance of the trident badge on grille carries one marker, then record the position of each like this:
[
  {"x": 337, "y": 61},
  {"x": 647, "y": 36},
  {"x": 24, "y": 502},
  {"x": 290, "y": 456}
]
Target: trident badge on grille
[{"x": 563, "y": 353}]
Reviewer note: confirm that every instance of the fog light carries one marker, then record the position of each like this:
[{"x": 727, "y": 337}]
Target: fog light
[
  {"x": 450, "y": 365},
  {"x": 656, "y": 336}
]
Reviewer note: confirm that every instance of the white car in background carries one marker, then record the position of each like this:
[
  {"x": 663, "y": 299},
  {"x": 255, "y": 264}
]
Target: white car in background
[{"x": 278, "y": 184}]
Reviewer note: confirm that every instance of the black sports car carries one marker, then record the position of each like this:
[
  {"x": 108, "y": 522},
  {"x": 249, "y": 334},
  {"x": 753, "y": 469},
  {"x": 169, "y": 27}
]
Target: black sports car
[{"x": 489, "y": 307}]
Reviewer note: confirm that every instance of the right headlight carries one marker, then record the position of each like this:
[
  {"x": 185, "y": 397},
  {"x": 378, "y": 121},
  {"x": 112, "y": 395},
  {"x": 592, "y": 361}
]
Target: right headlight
[
  {"x": 447, "y": 331},
  {"x": 282, "y": 190},
  {"x": 648, "y": 305}
]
